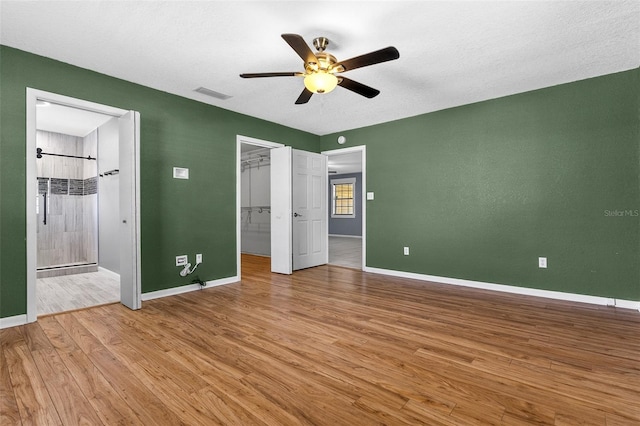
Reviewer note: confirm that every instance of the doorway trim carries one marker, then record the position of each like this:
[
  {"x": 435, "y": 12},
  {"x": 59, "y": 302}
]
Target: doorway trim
[
  {"x": 362, "y": 149},
  {"x": 32, "y": 97},
  {"x": 239, "y": 141}
]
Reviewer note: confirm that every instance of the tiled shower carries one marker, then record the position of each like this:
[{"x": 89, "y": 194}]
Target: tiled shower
[{"x": 67, "y": 204}]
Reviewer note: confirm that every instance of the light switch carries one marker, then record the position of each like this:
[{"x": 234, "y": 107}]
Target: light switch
[
  {"x": 180, "y": 173},
  {"x": 369, "y": 195}
]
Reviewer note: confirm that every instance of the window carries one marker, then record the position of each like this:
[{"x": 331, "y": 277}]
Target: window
[{"x": 343, "y": 198}]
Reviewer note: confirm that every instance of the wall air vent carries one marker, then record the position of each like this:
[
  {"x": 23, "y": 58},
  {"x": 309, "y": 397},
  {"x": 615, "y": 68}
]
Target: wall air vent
[{"x": 212, "y": 93}]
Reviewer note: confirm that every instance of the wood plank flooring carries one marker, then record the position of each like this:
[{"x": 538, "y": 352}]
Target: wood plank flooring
[{"x": 326, "y": 346}]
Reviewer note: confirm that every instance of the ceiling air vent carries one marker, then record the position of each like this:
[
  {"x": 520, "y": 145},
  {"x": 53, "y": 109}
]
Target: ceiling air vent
[{"x": 212, "y": 93}]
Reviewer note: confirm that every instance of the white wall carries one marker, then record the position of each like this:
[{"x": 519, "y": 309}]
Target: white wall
[
  {"x": 255, "y": 201},
  {"x": 108, "y": 196}
]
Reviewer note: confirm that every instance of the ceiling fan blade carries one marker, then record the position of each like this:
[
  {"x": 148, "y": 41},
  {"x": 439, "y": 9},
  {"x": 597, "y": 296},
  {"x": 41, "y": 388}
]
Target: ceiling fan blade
[
  {"x": 271, "y": 74},
  {"x": 304, "y": 97},
  {"x": 383, "y": 55},
  {"x": 298, "y": 44},
  {"x": 359, "y": 88}
]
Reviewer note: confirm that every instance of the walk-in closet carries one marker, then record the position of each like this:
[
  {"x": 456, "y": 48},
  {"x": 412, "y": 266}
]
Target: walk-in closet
[{"x": 255, "y": 169}]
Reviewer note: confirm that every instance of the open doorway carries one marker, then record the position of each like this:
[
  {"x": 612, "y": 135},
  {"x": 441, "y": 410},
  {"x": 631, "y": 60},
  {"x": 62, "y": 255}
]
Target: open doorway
[
  {"x": 253, "y": 191},
  {"x": 82, "y": 204},
  {"x": 297, "y": 206},
  {"x": 346, "y": 207},
  {"x": 77, "y": 257},
  {"x": 255, "y": 170}
]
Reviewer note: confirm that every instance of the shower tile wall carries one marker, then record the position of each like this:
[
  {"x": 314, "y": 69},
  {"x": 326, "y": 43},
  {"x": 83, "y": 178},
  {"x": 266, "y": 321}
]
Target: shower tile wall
[{"x": 69, "y": 237}]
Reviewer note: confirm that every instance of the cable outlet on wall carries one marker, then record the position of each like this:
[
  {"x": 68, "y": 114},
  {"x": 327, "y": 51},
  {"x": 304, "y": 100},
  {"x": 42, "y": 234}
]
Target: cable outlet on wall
[
  {"x": 406, "y": 251},
  {"x": 182, "y": 260},
  {"x": 199, "y": 258},
  {"x": 542, "y": 262}
]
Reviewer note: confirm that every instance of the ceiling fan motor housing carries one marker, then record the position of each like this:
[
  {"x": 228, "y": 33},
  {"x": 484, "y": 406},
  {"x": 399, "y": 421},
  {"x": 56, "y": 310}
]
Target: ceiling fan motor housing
[{"x": 325, "y": 63}]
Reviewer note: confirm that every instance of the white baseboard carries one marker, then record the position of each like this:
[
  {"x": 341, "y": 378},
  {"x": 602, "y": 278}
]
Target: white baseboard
[
  {"x": 627, "y": 304},
  {"x": 346, "y": 236},
  {"x": 187, "y": 288},
  {"x": 13, "y": 321},
  {"x": 572, "y": 297},
  {"x": 558, "y": 295},
  {"x": 109, "y": 272}
]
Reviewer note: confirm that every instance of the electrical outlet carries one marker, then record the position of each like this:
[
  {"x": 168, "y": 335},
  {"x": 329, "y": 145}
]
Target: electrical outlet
[
  {"x": 199, "y": 258},
  {"x": 542, "y": 262},
  {"x": 182, "y": 260},
  {"x": 406, "y": 251}
]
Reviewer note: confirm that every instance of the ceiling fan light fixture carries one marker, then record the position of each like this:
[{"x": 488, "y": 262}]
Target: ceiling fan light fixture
[{"x": 320, "y": 82}]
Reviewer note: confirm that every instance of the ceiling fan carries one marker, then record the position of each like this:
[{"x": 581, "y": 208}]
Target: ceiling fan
[{"x": 321, "y": 68}]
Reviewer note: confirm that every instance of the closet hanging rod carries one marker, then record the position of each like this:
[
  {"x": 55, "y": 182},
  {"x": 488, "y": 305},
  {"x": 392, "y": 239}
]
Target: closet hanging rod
[
  {"x": 261, "y": 159},
  {"x": 259, "y": 208},
  {"x": 245, "y": 166},
  {"x": 39, "y": 154}
]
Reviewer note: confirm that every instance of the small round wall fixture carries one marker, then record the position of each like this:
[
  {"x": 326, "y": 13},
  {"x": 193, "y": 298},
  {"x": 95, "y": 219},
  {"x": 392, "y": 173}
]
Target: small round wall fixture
[{"x": 341, "y": 140}]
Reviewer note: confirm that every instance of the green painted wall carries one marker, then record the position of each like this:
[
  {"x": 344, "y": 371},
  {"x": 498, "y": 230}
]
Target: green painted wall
[
  {"x": 480, "y": 191},
  {"x": 178, "y": 216}
]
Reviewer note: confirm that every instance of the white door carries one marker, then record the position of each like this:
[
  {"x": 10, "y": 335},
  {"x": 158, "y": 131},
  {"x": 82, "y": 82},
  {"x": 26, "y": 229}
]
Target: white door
[
  {"x": 299, "y": 236},
  {"x": 129, "y": 216},
  {"x": 309, "y": 230}
]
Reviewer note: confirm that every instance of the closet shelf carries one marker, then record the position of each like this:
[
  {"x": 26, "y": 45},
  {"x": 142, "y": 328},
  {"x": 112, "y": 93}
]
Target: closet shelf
[{"x": 259, "y": 209}]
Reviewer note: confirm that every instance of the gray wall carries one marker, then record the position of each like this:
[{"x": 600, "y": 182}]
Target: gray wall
[
  {"x": 347, "y": 226},
  {"x": 108, "y": 197}
]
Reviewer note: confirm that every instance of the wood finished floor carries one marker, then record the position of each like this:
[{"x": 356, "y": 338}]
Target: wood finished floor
[{"x": 326, "y": 346}]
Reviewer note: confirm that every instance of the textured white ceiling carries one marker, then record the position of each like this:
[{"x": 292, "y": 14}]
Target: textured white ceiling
[{"x": 451, "y": 53}]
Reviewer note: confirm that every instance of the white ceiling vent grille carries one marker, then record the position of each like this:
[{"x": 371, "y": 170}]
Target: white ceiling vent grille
[{"x": 212, "y": 93}]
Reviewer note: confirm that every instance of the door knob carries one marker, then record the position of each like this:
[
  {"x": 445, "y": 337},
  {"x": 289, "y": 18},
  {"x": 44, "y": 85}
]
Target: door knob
[{"x": 296, "y": 215}]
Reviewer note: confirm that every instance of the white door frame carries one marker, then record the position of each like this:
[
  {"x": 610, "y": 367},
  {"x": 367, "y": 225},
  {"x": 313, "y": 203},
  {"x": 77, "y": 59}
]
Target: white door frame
[
  {"x": 32, "y": 96},
  {"x": 239, "y": 141},
  {"x": 363, "y": 152}
]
